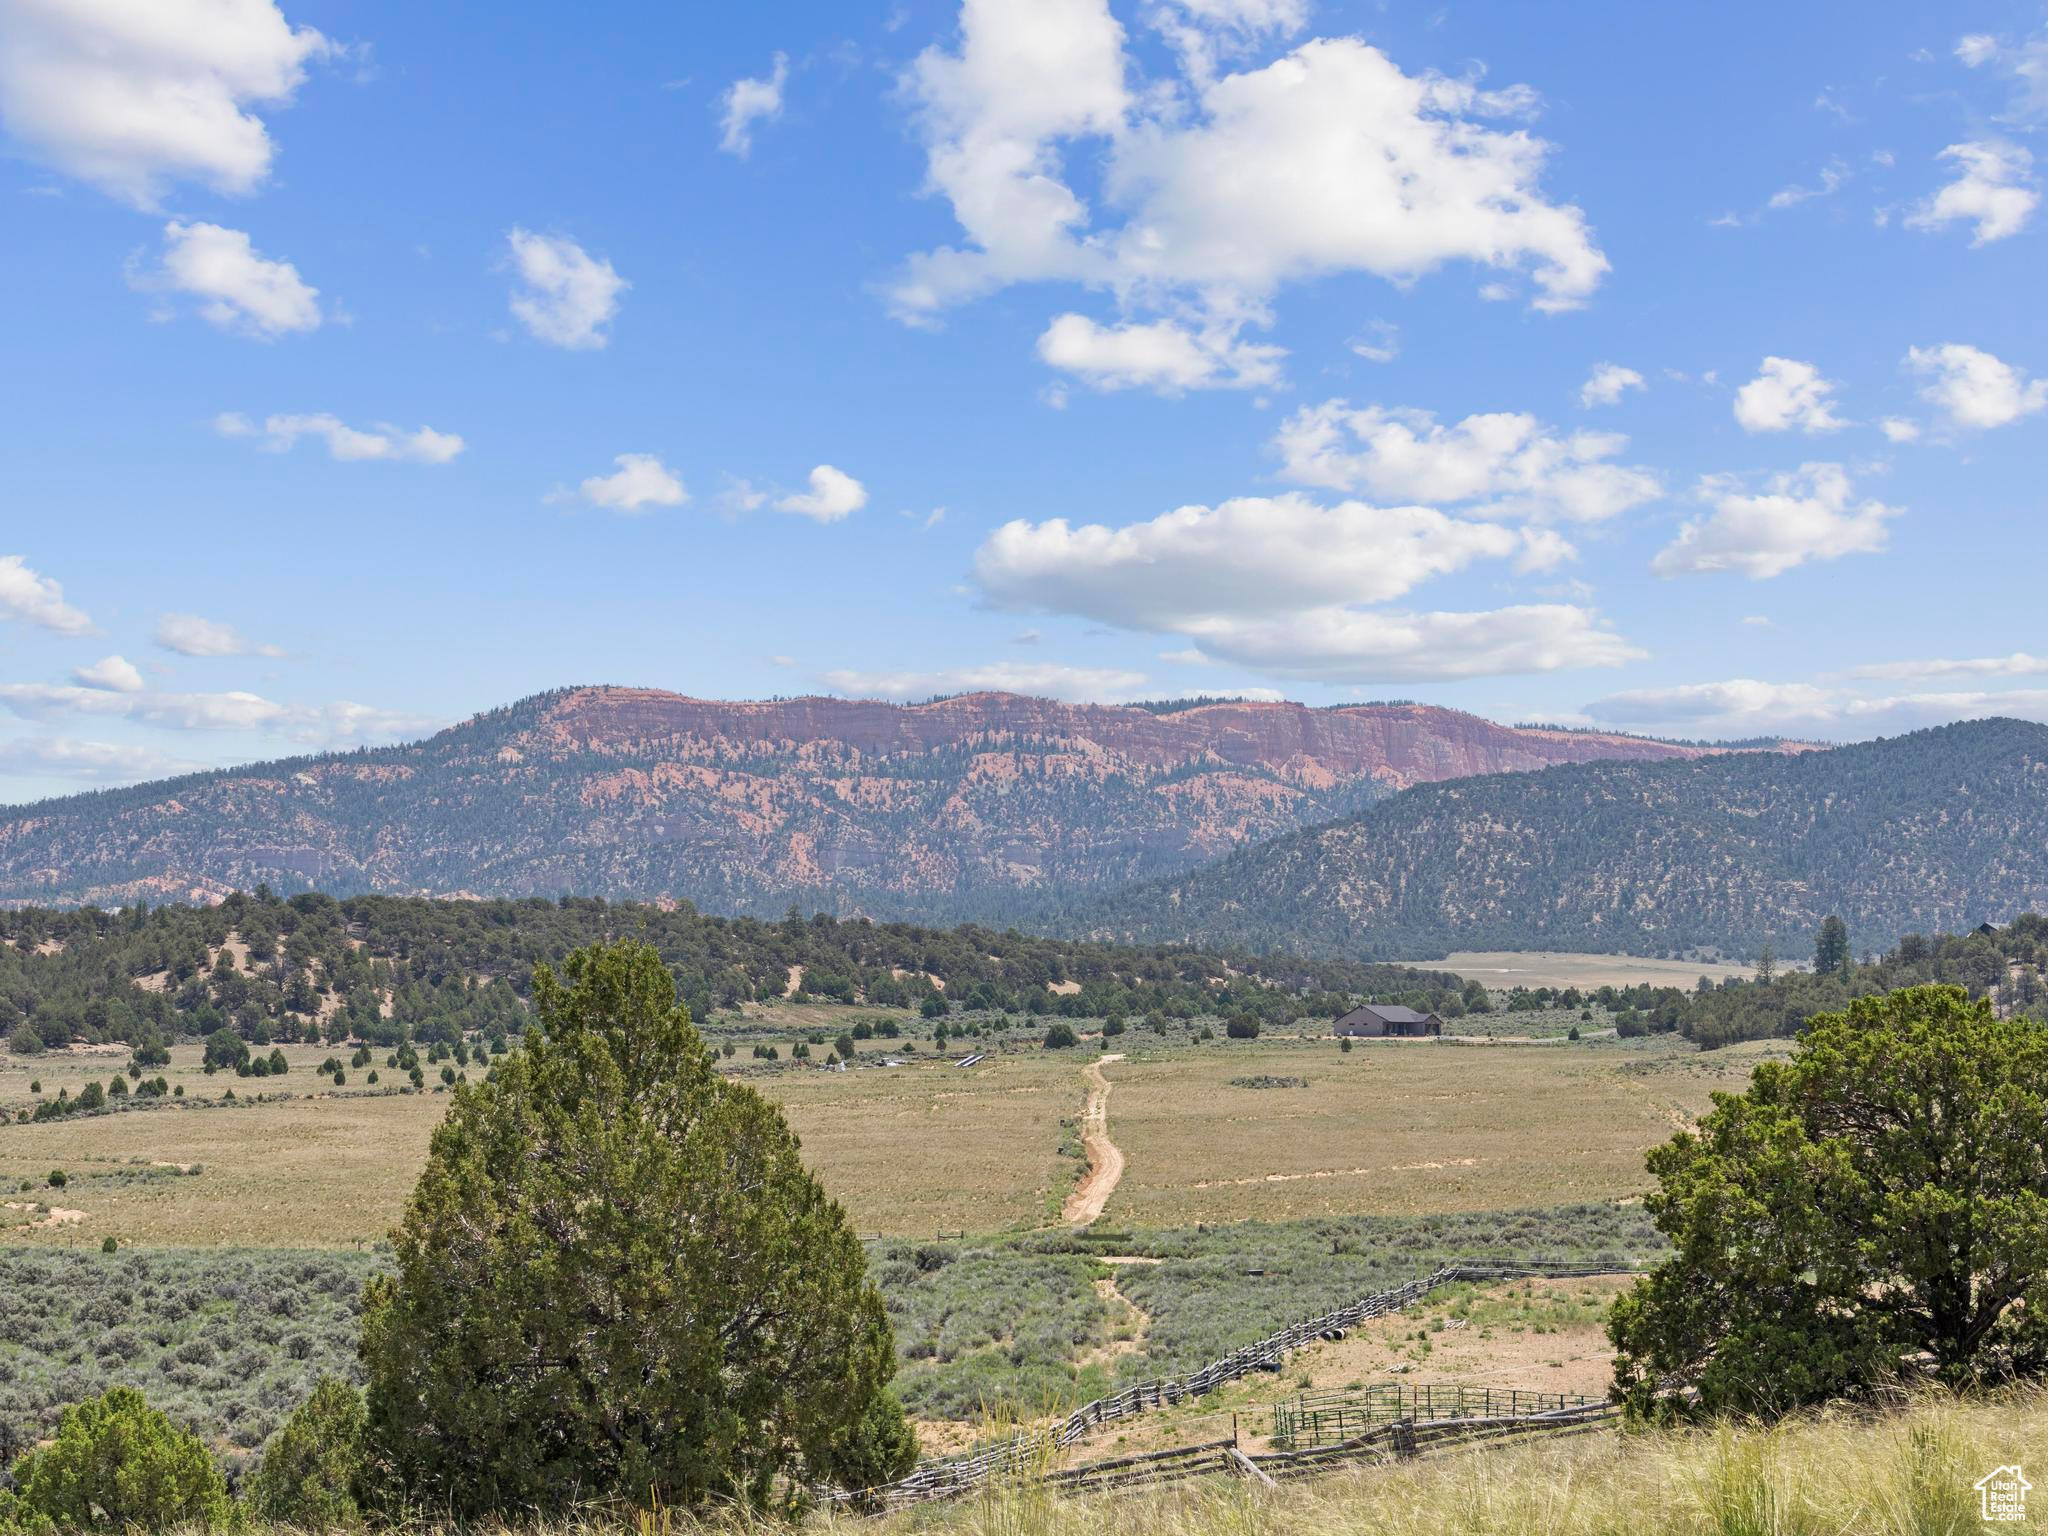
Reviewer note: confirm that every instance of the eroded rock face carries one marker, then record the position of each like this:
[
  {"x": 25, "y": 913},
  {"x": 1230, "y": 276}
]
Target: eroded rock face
[{"x": 977, "y": 806}]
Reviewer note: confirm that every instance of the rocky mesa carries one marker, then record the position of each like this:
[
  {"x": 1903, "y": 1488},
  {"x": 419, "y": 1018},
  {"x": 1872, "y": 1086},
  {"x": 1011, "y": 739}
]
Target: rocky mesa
[{"x": 981, "y": 806}]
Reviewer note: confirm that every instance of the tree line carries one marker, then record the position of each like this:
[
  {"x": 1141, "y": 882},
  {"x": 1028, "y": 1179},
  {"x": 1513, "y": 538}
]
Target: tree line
[{"x": 387, "y": 970}]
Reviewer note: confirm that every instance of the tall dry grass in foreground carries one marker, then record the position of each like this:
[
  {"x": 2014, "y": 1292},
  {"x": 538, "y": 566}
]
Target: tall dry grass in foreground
[{"x": 1839, "y": 1473}]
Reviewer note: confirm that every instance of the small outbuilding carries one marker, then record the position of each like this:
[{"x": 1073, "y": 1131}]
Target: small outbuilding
[{"x": 1374, "y": 1021}]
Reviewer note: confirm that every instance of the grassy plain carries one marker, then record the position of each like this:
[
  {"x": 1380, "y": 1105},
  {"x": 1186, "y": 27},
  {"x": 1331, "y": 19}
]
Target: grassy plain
[
  {"x": 1506, "y": 969},
  {"x": 921, "y": 1148},
  {"x": 1397, "y": 1127}
]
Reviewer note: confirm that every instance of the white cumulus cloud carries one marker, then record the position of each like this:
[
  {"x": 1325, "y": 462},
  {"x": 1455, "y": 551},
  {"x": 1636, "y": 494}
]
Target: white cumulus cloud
[
  {"x": 1974, "y": 390},
  {"x": 566, "y": 296},
  {"x": 1162, "y": 355},
  {"x": 1218, "y": 188},
  {"x": 748, "y": 102},
  {"x": 1995, "y": 189},
  {"x": 640, "y": 481},
  {"x": 190, "y": 635},
  {"x": 1811, "y": 514},
  {"x": 1787, "y": 395},
  {"x": 115, "y": 674},
  {"x": 1608, "y": 383},
  {"x": 1507, "y": 464},
  {"x": 133, "y": 95},
  {"x": 834, "y": 494},
  {"x": 382, "y": 441},
  {"x": 33, "y": 598},
  {"x": 1277, "y": 583},
  {"x": 237, "y": 287}
]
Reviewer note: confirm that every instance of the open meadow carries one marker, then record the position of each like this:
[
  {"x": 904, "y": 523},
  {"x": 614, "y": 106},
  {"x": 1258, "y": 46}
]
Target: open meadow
[
  {"x": 1505, "y": 969},
  {"x": 1261, "y": 1180},
  {"x": 1221, "y": 1130}
]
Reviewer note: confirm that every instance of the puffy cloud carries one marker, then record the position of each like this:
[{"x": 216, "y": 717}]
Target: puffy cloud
[
  {"x": 834, "y": 494},
  {"x": 1787, "y": 395},
  {"x": 1995, "y": 189},
  {"x": 382, "y": 441},
  {"x": 33, "y": 598},
  {"x": 640, "y": 481},
  {"x": 1163, "y": 355},
  {"x": 1350, "y": 645},
  {"x": 98, "y": 762},
  {"x": 1271, "y": 583},
  {"x": 2018, "y": 664},
  {"x": 115, "y": 674},
  {"x": 1608, "y": 383},
  {"x": 1898, "y": 429},
  {"x": 238, "y": 288},
  {"x": 133, "y": 96},
  {"x": 747, "y": 102},
  {"x": 190, "y": 635},
  {"x": 1974, "y": 390},
  {"x": 1252, "y": 555},
  {"x": 1219, "y": 189},
  {"x": 1511, "y": 464},
  {"x": 1808, "y": 515},
  {"x": 568, "y": 296},
  {"x": 1077, "y": 685}
]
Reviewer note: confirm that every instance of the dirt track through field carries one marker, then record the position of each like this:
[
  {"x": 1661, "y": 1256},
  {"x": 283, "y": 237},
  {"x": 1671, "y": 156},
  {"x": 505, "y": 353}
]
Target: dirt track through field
[{"x": 1105, "y": 1161}]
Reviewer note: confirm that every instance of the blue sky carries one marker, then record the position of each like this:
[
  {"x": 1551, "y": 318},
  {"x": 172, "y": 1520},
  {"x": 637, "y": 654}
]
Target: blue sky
[{"x": 1672, "y": 368}]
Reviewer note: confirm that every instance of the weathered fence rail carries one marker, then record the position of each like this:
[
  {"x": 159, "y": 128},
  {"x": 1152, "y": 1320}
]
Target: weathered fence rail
[
  {"x": 1031, "y": 1455},
  {"x": 1326, "y": 1418}
]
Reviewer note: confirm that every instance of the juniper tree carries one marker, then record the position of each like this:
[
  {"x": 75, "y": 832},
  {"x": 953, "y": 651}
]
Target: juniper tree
[
  {"x": 1880, "y": 1196},
  {"x": 616, "y": 1278}
]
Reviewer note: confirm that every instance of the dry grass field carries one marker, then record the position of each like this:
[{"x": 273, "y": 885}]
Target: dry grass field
[
  {"x": 1390, "y": 1127},
  {"x": 1507, "y": 969},
  {"x": 1397, "y": 1127}
]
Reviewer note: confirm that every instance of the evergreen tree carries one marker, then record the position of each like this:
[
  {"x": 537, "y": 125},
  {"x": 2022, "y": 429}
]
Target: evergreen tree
[
  {"x": 1879, "y": 1196},
  {"x": 616, "y": 1278},
  {"x": 1831, "y": 948}
]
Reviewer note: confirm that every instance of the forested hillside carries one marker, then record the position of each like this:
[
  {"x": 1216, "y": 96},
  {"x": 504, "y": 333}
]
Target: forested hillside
[
  {"x": 389, "y": 969},
  {"x": 988, "y": 807},
  {"x": 1933, "y": 831}
]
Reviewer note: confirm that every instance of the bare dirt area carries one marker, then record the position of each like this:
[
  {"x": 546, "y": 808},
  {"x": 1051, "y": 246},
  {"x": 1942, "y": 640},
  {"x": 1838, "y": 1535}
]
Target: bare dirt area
[{"x": 1105, "y": 1160}]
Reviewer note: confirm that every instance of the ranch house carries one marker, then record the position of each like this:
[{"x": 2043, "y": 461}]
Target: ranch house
[{"x": 1372, "y": 1021}]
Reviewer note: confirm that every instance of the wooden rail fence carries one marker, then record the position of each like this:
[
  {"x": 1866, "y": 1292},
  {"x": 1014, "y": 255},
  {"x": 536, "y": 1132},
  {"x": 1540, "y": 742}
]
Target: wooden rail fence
[
  {"x": 1330, "y": 1417},
  {"x": 1031, "y": 1456}
]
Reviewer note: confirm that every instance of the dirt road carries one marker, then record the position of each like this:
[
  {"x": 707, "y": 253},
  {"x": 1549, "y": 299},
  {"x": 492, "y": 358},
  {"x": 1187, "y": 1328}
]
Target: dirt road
[{"x": 1105, "y": 1162}]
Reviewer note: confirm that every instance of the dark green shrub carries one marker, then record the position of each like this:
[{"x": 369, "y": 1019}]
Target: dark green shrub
[
  {"x": 24, "y": 1041},
  {"x": 58, "y": 1179},
  {"x": 1242, "y": 1027},
  {"x": 118, "y": 1464},
  {"x": 311, "y": 1475},
  {"x": 1060, "y": 1036}
]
